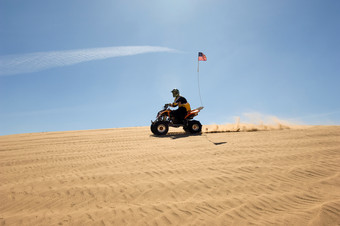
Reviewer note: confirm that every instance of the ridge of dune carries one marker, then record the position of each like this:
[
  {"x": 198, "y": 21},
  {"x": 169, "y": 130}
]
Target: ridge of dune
[{"x": 127, "y": 176}]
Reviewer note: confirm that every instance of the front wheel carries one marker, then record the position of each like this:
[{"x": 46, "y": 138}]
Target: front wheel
[
  {"x": 160, "y": 128},
  {"x": 194, "y": 126}
]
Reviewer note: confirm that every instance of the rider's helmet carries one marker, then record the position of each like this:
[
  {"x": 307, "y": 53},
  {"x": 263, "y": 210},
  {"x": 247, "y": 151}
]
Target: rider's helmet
[{"x": 175, "y": 92}]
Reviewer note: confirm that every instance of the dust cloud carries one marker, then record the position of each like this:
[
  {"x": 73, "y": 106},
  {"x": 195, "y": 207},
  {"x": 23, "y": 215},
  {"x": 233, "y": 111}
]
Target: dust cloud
[{"x": 250, "y": 122}]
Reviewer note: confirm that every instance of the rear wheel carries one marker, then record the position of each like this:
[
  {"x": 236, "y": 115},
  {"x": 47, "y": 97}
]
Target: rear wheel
[
  {"x": 194, "y": 126},
  {"x": 186, "y": 128},
  {"x": 160, "y": 128}
]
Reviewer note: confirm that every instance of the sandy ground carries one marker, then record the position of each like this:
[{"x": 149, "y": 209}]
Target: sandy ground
[{"x": 129, "y": 177}]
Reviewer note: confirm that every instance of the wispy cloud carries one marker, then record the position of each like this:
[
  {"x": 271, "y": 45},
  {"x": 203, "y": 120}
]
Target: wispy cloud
[{"x": 32, "y": 62}]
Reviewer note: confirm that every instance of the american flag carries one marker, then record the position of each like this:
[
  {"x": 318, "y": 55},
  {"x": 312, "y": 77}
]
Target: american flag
[{"x": 201, "y": 57}]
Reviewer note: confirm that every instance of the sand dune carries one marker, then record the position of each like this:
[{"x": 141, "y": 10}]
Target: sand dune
[{"x": 127, "y": 176}]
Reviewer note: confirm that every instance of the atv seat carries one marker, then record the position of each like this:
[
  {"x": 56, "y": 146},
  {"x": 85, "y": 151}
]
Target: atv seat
[{"x": 193, "y": 113}]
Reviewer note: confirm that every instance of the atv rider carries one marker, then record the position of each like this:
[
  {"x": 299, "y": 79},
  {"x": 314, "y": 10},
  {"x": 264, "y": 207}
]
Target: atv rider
[{"x": 183, "y": 107}]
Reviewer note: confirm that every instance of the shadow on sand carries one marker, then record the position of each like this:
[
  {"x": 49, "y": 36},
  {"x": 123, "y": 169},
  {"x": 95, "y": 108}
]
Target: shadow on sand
[{"x": 177, "y": 135}]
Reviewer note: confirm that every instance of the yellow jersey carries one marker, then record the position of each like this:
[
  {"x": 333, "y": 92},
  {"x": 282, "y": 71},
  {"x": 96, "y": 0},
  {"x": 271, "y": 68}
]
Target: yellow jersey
[{"x": 181, "y": 102}]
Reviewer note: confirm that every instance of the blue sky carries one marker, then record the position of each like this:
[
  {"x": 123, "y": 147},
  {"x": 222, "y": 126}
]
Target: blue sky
[{"x": 75, "y": 65}]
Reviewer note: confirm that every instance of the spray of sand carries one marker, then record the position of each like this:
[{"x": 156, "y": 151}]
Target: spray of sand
[{"x": 250, "y": 122}]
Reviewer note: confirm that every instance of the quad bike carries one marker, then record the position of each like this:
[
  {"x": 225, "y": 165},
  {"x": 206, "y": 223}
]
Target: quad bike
[{"x": 163, "y": 120}]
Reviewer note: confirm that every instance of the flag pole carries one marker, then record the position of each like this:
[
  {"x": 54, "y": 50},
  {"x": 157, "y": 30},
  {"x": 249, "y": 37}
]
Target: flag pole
[{"x": 198, "y": 80}]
